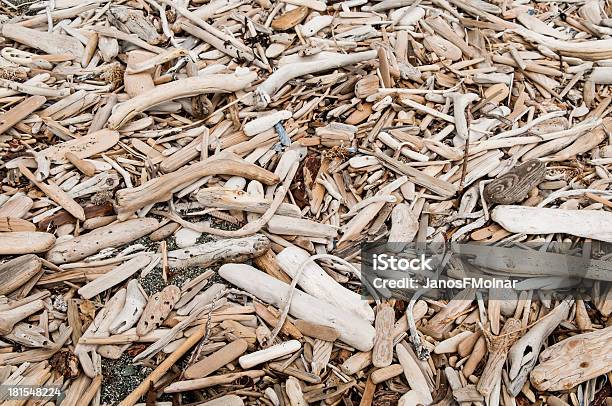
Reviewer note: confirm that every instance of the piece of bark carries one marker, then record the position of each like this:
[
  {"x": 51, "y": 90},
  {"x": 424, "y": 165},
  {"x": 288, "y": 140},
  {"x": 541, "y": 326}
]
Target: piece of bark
[
  {"x": 353, "y": 330},
  {"x": 20, "y": 111},
  {"x": 25, "y": 242},
  {"x": 226, "y": 250},
  {"x": 218, "y": 359},
  {"x": 113, "y": 235},
  {"x": 539, "y": 220},
  {"x": 17, "y": 272},
  {"x": 514, "y": 185}
]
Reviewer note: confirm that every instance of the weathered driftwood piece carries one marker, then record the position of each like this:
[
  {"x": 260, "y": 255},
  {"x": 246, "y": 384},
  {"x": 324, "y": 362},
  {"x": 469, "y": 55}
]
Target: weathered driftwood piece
[
  {"x": 538, "y": 220},
  {"x": 441, "y": 322},
  {"x": 514, "y": 185},
  {"x": 83, "y": 147},
  {"x": 229, "y": 199},
  {"x": 160, "y": 189},
  {"x": 213, "y": 362},
  {"x": 114, "y": 277},
  {"x": 51, "y": 43},
  {"x": 157, "y": 309},
  {"x": 135, "y": 302},
  {"x": 17, "y": 206},
  {"x": 259, "y": 357},
  {"x": 318, "y": 63},
  {"x": 404, "y": 227},
  {"x": 226, "y": 250},
  {"x": 353, "y": 330},
  {"x": 113, "y": 235},
  {"x": 188, "y": 87},
  {"x": 24, "y": 242},
  {"x": 20, "y": 111},
  {"x": 193, "y": 384},
  {"x": 573, "y": 361},
  {"x": 382, "y": 353},
  {"x": 315, "y": 330},
  {"x": 420, "y": 389},
  {"x": 498, "y": 347},
  {"x": 10, "y": 224},
  {"x": 159, "y": 372},
  {"x": 523, "y": 354},
  {"x": 17, "y": 272},
  {"x": 55, "y": 193},
  {"x": 285, "y": 225},
  {"x": 8, "y": 318},
  {"x": 316, "y": 282}
]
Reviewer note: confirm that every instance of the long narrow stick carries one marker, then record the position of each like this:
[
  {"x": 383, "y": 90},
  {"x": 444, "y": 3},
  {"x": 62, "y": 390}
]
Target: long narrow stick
[{"x": 160, "y": 371}]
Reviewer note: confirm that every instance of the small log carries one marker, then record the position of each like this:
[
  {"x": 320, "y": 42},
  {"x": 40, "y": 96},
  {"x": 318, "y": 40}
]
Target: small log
[
  {"x": 316, "y": 282},
  {"x": 213, "y": 362},
  {"x": 113, "y": 235},
  {"x": 270, "y": 353},
  {"x": 538, "y": 220},
  {"x": 226, "y": 250},
  {"x": 25, "y": 242},
  {"x": 353, "y": 330}
]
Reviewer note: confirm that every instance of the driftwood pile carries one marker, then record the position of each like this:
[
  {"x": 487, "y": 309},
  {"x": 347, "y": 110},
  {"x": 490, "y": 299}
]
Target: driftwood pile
[{"x": 237, "y": 153}]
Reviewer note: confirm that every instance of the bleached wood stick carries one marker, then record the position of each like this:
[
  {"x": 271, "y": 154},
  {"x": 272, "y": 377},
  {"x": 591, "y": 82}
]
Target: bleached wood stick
[
  {"x": 321, "y": 62},
  {"x": 538, "y": 220},
  {"x": 114, "y": 277},
  {"x": 112, "y": 235},
  {"x": 49, "y": 42},
  {"x": 573, "y": 361},
  {"x": 259, "y": 357},
  {"x": 8, "y": 318},
  {"x": 193, "y": 384},
  {"x": 353, "y": 330},
  {"x": 226, "y": 250},
  {"x": 316, "y": 282},
  {"x": 161, "y": 188},
  {"x": 413, "y": 375},
  {"x": 25, "y": 242},
  {"x": 188, "y": 87},
  {"x": 210, "y": 364}
]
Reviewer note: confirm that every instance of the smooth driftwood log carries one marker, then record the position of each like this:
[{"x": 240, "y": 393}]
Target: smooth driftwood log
[
  {"x": 188, "y": 87},
  {"x": 353, "y": 330},
  {"x": 316, "y": 282},
  {"x": 573, "y": 361},
  {"x": 17, "y": 272},
  {"x": 194, "y": 384},
  {"x": 113, "y": 235},
  {"x": 160, "y": 189},
  {"x": 49, "y": 42},
  {"x": 523, "y": 354},
  {"x": 25, "y": 242},
  {"x": 593, "y": 224},
  {"x": 226, "y": 250},
  {"x": 259, "y": 357},
  {"x": 231, "y": 199}
]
